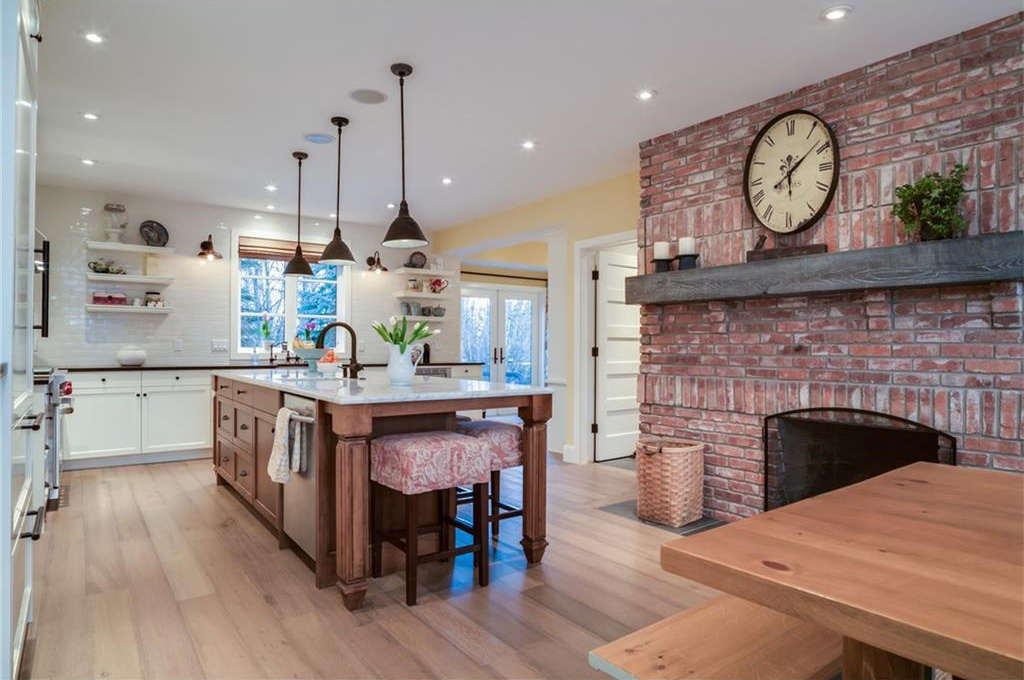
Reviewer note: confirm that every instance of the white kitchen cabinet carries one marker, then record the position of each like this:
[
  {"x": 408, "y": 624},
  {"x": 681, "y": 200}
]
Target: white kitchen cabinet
[
  {"x": 122, "y": 413},
  {"x": 176, "y": 417},
  {"x": 107, "y": 422}
]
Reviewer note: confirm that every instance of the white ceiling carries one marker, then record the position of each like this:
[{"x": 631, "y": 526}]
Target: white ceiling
[{"x": 204, "y": 100}]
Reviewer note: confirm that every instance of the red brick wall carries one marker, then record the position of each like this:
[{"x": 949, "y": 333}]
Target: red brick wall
[{"x": 948, "y": 357}]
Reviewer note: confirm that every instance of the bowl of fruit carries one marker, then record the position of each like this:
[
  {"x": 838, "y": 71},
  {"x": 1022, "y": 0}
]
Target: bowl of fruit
[{"x": 328, "y": 364}]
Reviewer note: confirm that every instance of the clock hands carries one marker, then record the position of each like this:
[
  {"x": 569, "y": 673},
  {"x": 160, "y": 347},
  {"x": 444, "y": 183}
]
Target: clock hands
[{"x": 789, "y": 175}]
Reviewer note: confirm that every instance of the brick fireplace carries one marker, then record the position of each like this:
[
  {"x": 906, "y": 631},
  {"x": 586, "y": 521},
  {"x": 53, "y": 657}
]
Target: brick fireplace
[{"x": 948, "y": 358}]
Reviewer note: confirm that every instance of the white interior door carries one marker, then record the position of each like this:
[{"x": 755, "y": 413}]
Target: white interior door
[{"x": 617, "y": 364}]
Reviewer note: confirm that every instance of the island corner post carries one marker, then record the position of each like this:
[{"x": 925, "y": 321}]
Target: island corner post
[{"x": 354, "y": 425}]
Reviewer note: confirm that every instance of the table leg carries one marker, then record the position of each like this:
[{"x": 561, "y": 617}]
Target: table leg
[
  {"x": 535, "y": 475},
  {"x": 864, "y": 662},
  {"x": 352, "y": 497}
]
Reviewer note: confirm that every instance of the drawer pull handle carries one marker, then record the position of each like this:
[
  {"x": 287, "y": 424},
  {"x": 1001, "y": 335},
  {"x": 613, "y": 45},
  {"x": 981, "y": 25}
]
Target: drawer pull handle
[
  {"x": 103, "y": 380},
  {"x": 243, "y": 473},
  {"x": 177, "y": 377},
  {"x": 243, "y": 426},
  {"x": 137, "y": 394},
  {"x": 37, "y": 526},
  {"x": 225, "y": 417},
  {"x": 239, "y": 391}
]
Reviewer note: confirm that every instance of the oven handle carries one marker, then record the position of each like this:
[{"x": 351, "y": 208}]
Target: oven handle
[
  {"x": 44, "y": 326},
  {"x": 37, "y": 526},
  {"x": 37, "y": 422}
]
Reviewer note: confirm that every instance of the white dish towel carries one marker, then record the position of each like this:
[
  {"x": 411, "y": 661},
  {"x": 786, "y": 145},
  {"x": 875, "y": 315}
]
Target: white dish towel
[{"x": 279, "y": 464}]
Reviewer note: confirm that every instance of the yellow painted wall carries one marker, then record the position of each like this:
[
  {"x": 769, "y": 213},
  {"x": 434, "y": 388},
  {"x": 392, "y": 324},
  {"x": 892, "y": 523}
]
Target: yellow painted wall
[
  {"x": 598, "y": 209},
  {"x": 534, "y": 253}
]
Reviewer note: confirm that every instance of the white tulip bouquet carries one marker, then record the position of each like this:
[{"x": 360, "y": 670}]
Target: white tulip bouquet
[{"x": 401, "y": 334}]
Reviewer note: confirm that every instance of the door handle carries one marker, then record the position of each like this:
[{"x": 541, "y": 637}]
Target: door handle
[
  {"x": 37, "y": 526},
  {"x": 37, "y": 422},
  {"x": 502, "y": 360},
  {"x": 495, "y": 355}
]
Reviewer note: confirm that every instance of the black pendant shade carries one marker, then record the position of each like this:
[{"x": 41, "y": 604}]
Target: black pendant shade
[
  {"x": 404, "y": 232},
  {"x": 337, "y": 252},
  {"x": 207, "y": 251},
  {"x": 297, "y": 266}
]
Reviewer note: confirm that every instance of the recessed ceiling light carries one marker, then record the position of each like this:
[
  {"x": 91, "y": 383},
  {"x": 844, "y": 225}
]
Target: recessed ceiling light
[
  {"x": 21, "y": 151},
  {"x": 645, "y": 95},
  {"x": 316, "y": 224},
  {"x": 270, "y": 187},
  {"x": 270, "y": 207},
  {"x": 257, "y": 217},
  {"x": 91, "y": 116},
  {"x": 446, "y": 180},
  {"x": 94, "y": 38},
  {"x": 318, "y": 138},
  {"x": 529, "y": 144},
  {"x": 368, "y": 96},
  {"x": 88, "y": 161},
  {"x": 837, "y": 12},
  {"x": 391, "y": 206},
  {"x": 332, "y": 215}
]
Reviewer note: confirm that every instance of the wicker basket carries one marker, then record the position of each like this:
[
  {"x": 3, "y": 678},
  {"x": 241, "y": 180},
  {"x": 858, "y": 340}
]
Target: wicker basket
[{"x": 670, "y": 480}]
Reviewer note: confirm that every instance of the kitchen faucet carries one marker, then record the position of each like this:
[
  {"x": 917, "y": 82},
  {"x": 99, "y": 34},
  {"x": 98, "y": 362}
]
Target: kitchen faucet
[
  {"x": 353, "y": 367},
  {"x": 287, "y": 353}
]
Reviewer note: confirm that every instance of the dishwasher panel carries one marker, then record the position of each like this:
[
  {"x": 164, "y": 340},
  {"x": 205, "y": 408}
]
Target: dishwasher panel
[{"x": 300, "y": 491}]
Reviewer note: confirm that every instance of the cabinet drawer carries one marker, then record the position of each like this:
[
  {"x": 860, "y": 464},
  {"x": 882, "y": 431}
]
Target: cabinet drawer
[
  {"x": 226, "y": 458},
  {"x": 245, "y": 474},
  {"x": 175, "y": 378},
  {"x": 241, "y": 392},
  {"x": 225, "y": 415},
  {"x": 244, "y": 424},
  {"x": 224, "y": 388},
  {"x": 108, "y": 379},
  {"x": 468, "y": 372},
  {"x": 265, "y": 399}
]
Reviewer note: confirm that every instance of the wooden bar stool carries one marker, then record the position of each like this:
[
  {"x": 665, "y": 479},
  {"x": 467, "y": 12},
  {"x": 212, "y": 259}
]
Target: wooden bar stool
[
  {"x": 424, "y": 462},
  {"x": 506, "y": 441}
]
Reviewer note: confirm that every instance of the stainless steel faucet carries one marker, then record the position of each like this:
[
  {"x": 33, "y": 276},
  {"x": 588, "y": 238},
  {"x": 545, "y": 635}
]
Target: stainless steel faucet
[{"x": 353, "y": 367}]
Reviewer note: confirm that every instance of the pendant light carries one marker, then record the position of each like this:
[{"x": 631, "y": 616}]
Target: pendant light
[
  {"x": 337, "y": 252},
  {"x": 207, "y": 251},
  {"x": 403, "y": 232},
  {"x": 297, "y": 266}
]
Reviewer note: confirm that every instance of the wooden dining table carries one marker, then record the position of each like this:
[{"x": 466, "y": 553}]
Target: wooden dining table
[{"x": 918, "y": 567}]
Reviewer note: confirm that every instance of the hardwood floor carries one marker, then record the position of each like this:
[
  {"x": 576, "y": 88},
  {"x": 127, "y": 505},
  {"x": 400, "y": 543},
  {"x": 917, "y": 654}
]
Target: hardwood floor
[{"x": 153, "y": 572}]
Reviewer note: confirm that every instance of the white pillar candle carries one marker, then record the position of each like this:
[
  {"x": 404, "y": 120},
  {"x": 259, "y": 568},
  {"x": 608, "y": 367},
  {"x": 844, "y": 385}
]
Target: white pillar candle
[
  {"x": 661, "y": 250},
  {"x": 687, "y": 245}
]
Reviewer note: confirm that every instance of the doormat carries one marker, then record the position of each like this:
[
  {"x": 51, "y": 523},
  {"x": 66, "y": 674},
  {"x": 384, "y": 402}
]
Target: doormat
[{"x": 627, "y": 509}]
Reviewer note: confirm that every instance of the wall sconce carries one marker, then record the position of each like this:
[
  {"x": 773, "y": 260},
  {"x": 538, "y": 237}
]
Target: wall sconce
[{"x": 206, "y": 250}]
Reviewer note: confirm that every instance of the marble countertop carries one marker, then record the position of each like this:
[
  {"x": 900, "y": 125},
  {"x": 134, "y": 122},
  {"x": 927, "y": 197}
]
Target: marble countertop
[{"x": 374, "y": 388}]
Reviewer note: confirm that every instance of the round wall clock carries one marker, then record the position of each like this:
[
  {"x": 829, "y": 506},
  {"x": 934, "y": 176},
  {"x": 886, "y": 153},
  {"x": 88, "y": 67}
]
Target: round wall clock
[{"x": 791, "y": 172}]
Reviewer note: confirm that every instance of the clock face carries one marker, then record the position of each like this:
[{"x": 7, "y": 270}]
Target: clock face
[{"x": 791, "y": 172}]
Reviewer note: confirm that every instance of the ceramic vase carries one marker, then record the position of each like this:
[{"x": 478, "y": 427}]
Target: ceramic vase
[{"x": 401, "y": 367}]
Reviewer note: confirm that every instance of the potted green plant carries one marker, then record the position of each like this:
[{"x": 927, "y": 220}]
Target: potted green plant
[{"x": 930, "y": 207}]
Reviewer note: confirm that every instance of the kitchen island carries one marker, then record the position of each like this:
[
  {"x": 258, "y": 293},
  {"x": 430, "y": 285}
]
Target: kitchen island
[{"x": 348, "y": 415}]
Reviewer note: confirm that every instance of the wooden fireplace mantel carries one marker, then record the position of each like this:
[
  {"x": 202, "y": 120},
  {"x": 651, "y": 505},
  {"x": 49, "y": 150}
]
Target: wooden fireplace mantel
[{"x": 975, "y": 259}]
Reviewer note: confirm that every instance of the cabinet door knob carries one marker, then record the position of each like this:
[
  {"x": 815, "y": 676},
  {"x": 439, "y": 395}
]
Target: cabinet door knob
[
  {"x": 243, "y": 473},
  {"x": 177, "y": 377},
  {"x": 145, "y": 394},
  {"x": 103, "y": 380},
  {"x": 243, "y": 426},
  {"x": 137, "y": 394}
]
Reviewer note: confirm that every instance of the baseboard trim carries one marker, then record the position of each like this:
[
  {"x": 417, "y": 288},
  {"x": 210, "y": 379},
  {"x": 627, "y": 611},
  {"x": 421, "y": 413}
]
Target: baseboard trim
[{"x": 136, "y": 459}]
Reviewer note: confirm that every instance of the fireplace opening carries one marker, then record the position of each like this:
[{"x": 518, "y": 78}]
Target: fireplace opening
[{"x": 812, "y": 451}]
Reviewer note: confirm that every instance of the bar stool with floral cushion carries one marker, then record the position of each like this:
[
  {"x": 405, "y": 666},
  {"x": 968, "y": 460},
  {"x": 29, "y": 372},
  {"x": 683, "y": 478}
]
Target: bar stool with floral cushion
[
  {"x": 506, "y": 439},
  {"x": 421, "y": 463}
]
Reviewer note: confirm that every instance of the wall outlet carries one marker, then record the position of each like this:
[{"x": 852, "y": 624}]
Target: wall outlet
[
  {"x": 179, "y": 345},
  {"x": 218, "y": 345}
]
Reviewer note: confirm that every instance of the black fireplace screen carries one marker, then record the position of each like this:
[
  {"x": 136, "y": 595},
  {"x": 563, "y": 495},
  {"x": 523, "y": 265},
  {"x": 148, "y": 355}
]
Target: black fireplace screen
[{"x": 812, "y": 451}]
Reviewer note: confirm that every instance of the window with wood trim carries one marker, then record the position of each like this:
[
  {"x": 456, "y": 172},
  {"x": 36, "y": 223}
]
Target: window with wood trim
[{"x": 271, "y": 306}]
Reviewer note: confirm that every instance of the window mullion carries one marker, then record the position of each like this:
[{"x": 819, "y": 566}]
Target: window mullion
[{"x": 291, "y": 306}]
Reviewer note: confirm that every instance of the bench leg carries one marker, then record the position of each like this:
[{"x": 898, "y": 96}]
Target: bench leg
[
  {"x": 480, "y": 526},
  {"x": 864, "y": 662}
]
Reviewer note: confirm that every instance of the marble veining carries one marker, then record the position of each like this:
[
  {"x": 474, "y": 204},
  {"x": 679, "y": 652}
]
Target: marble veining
[{"x": 375, "y": 388}]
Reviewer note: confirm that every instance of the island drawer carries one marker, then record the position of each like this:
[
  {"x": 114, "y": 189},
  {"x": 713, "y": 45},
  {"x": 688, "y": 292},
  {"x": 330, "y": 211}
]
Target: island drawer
[
  {"x": 224, "y": 412},
  {"x": 224, "y": 388},
  {"x": 265, "y": 399},
  {"x": 245, "y": 473},
  {"x": 243, "y": 423},
  {"x": 241, "y": 392},
  {"x": 226, "y": 458}
]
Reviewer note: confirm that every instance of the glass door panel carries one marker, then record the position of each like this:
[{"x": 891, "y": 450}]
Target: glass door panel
[
  {"x": 478, "y": 334},
  {"x": 517, "y": 355}
]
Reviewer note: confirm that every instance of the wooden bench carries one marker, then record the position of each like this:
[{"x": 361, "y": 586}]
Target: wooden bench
[{"x": 725, "y": 638}]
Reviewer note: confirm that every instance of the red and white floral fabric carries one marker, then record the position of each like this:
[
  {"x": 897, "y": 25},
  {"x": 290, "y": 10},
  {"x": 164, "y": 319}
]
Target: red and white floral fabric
[
  {"x": 427, "y": 461},
  {"x": 506, "y": 439}
]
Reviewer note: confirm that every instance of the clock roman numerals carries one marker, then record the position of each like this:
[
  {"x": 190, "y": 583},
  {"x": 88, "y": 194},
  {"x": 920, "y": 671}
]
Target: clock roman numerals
[
  {"x": 821, "y": 185},
  {"x": 757, "y": 198},
  {"x": 790, "y": 127},
  {"x": 768, "y": 140},
  {"x": 757, "y": 182},
  {"x": 789, "y": 220},
  {"x": 767, "y": 214},
  {"x": 823, "y": 147},
  {"x": 823, "y": 167}
]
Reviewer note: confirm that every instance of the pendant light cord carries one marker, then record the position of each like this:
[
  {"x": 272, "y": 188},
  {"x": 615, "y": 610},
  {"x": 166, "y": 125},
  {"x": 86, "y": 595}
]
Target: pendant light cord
[
  {"x": 337, "y": 195},
  {"x": 401, "y": 107},
  {"x": 298, "y": 212}
]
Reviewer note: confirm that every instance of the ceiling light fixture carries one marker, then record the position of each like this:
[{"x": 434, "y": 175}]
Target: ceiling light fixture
[
  {"x": 333, "y": 215},
  {"x": 837, "y": 12},
  {"x": 646, "y": 95},
  {"x": 207, "y": 251},
  {"x": 91, "y": 116},
  {"x": 529, "y": 144},
  {"x": 298, "y": 266},
  {"x": 446, "y": 181},
  {"x": 88, "y": 161},
  {"x": 270, "y": 187},
  {"x": 404, "y": 232},
  {"x": 391, "y": 206},
  {"x": 270, "y": 207},
  {"x": 336, "y": 252},
  {"x": 376, "y": 266},
  {"x": 318, "y": 138},
  {"x": 257, "y": 217},
  {"x": 94, "y": 38}
]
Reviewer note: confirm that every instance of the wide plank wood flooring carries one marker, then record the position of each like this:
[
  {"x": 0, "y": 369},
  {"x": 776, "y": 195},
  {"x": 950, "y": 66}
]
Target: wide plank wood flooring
[{"x": 152, "y": 571}]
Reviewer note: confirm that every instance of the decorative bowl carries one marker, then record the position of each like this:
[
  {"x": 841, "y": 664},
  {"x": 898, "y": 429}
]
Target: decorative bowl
[
  {"x": 312, "y": 356},
  {"x": 131, "y": 356},
  {"x": 327, "y": 368}
]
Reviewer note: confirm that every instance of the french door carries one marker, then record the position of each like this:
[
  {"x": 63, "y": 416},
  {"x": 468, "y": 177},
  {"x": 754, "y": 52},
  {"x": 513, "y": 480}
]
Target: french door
[{"x": 502, "y": 327}]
